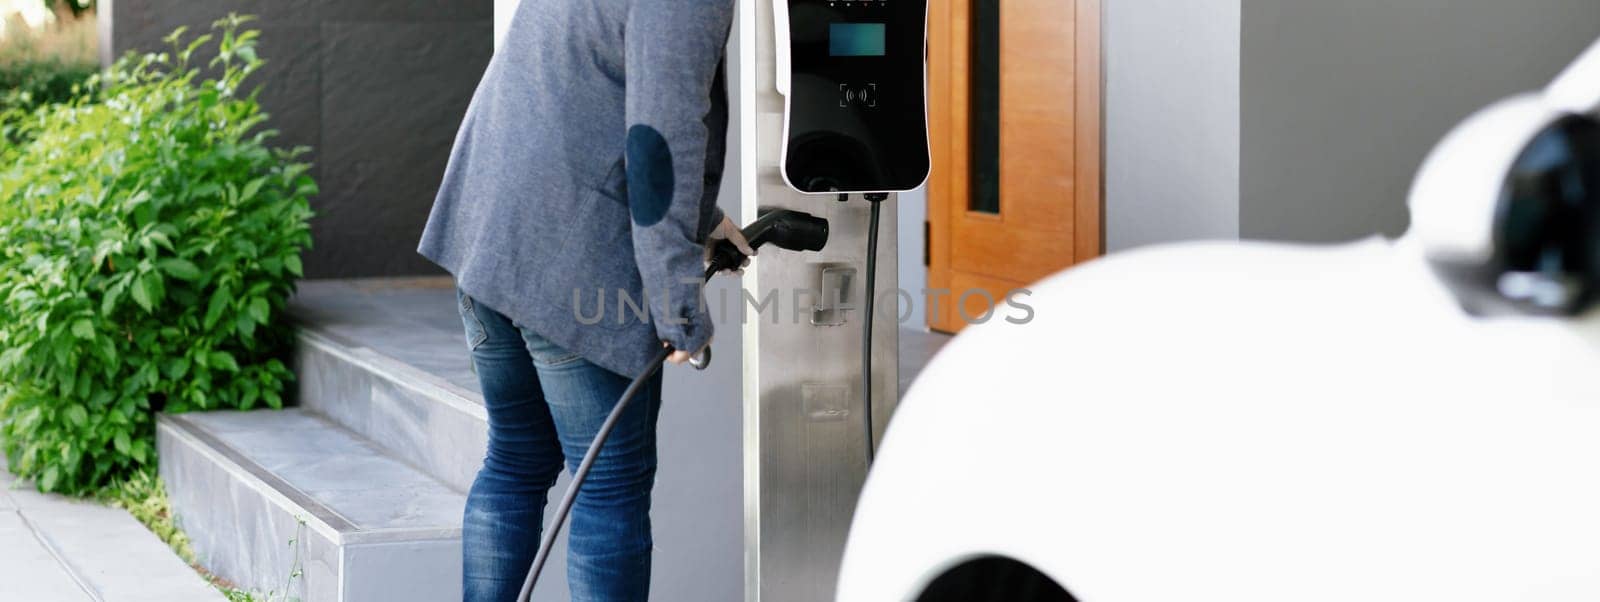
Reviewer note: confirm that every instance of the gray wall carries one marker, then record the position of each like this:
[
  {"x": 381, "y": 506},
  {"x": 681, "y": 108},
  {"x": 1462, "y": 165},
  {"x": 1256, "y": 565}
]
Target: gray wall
[
  {"x": 1343, "y": 99},
  {"x": 376, "y": 87},
  {"x": 913, "y": 274},
  {"x": 1171, "y": 121}
]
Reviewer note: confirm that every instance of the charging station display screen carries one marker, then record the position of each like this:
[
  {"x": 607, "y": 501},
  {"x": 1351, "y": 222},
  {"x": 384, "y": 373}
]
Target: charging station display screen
[
  {"x": 857, "y": 39},
  {"x": 856, "y": 111}
]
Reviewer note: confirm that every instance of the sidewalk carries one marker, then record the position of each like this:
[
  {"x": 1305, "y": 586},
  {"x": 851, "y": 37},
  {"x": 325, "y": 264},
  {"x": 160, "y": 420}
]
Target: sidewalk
[{"x": 53, "y": 549}]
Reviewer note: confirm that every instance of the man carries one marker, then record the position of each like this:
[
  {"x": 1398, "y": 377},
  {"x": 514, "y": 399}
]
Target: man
[{"x": 586, "y": 169}]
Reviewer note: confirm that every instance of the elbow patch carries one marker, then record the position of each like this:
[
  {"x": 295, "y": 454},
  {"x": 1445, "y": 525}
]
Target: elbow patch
[{"x": 650, "y": 178}]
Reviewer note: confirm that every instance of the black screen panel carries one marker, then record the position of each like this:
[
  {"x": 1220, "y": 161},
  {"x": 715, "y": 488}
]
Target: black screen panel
[{"x": 857, "y": 101}]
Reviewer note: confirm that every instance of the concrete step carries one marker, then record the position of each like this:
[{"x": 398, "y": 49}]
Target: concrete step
[
  {"x": 386, "y": 359},
  {"x": 291, "y": 503}
]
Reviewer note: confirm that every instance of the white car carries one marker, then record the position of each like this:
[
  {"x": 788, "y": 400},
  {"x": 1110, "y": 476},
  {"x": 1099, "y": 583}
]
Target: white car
[{"x": 1268, "y": 423}]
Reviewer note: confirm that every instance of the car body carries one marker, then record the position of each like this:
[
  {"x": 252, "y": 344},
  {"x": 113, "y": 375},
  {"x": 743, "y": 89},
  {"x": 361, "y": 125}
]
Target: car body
[{"x": 1248, "y": 422}]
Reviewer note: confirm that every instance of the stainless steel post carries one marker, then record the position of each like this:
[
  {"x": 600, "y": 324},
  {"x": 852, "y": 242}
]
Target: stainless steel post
[{"x": 804, "y": 458}]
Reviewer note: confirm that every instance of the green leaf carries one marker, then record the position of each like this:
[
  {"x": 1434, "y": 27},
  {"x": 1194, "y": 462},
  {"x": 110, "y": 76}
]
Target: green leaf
[
  {"x": 83, "y": 328},
  {"x": 121, "y": 442},
  {"x": 176, "y": 368},
  {"x": 114, "y": 294},
  {"x": 207, "y": 190},
  {"x": 108, "y": 354},
  {"x": 222, "y": 360},
  {"x": 219, "y": 303},
  {"x": 160, "y": 238},
  {"x": 69, "y": 380},
  {"x": 171, "y": 39},
  {"x": 10, "y": 358},
  {"x": 181, "y": 269},
  {"x": 152, "y": 284},
  {"x": 52, "y": 475},
  {"x": 144, "y": 295},
  {"x": 252, "y": 188},
  {"x": 101, "y": 399},
  {"x": 77, "y": 415},
  {"x": 274, "y": 400},
  {"x": 273, "y": 266},
  {"x": 260, "y": 310},
  {"x": 252, "y": 392},
  {"x": 246, "y": 326}
]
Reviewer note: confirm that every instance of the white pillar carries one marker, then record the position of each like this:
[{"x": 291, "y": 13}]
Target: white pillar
[{"x": 503, "y": 10}]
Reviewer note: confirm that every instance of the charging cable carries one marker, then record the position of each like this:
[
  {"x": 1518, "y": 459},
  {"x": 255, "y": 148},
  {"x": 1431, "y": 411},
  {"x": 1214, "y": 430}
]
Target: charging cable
[
  {"x": 874, "y": 200},
  {"x": 582, "y": 473},
  {"x": 787, "y": 229}
]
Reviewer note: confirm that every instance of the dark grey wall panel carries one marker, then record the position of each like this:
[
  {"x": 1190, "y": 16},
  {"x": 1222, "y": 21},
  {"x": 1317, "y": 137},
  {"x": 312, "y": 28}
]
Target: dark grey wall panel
[
  {"x": 291, "y": 85},
  {"x": 377, "y": 88},
  {"x": 392, "y": 97},
  {"x": 407, "y": 10},
  {"x": 1342, "y": 100}
]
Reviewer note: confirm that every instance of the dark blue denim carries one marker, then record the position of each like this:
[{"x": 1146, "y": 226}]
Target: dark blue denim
[{"x": 545, "y": 405}]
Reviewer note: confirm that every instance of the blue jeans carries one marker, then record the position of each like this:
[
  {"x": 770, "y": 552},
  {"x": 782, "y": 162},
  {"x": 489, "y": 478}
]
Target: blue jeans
[{"x": 545, "y": 405}]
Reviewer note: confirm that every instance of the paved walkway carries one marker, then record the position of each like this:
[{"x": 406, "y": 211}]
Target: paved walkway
[{"x": 53, "y": 549}]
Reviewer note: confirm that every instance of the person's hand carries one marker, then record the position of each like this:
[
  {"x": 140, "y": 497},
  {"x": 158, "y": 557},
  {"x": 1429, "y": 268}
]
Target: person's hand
[
  {"x": 679, "y": 356},
  {"x": 729, "y": 231}
]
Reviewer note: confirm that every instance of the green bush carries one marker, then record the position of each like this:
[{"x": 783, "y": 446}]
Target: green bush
[
  {"x": 25, "y": 85},
  {"x": 149, "y": 241}
]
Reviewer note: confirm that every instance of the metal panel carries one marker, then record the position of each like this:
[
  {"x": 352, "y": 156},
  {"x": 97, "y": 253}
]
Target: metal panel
[{"x": 804, "y": 455}]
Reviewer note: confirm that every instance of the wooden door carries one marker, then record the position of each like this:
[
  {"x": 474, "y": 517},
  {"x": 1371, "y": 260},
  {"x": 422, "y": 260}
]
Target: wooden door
[{"x": 1014, "y": 117}]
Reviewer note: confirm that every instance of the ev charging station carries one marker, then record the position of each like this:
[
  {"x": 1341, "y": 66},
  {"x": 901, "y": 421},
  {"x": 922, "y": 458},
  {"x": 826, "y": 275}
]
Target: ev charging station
[{"x": 831, "y": 98}]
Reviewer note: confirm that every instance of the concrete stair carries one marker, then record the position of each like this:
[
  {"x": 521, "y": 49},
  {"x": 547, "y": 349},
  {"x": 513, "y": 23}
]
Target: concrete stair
[
  {"x": 386, "y": 437},
  {"x": 291, "y": 504},
  {"x": 414, "y": 414},
  {"x": 357, "y": 493},
  {"x": 388, "y": 432}
]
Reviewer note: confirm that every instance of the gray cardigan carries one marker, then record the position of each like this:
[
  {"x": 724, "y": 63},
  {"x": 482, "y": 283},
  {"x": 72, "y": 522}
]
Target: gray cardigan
[{"x": 587, "y": 168}]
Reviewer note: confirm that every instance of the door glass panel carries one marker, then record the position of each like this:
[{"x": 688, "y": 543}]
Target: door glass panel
[{"x": 983, "y": 102}]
